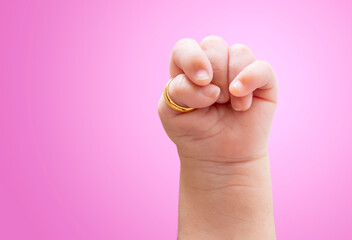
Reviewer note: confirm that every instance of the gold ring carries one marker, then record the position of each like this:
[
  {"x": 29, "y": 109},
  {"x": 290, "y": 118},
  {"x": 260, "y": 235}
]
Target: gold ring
[{"x": 171, "y": 103}]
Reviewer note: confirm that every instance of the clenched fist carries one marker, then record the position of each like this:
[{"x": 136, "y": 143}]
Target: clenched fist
[
  {"x": 235, "y": 96},
  {"x": 225, "y": 188}
]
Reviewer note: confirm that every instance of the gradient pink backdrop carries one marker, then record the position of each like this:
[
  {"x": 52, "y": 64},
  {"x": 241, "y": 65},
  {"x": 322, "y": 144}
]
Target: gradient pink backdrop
[{"x": 82, "y": 152}]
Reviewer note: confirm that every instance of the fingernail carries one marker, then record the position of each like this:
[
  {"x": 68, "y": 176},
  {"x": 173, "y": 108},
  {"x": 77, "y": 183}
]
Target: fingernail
[
  {"x": 237, "y": 85},
  {"x": 211, "y": 91},
  {"x": 202, "y": 75}
]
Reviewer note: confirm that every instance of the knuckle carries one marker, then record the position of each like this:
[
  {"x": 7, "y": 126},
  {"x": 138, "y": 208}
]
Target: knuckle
[
  {"x": 264, "y": 63},
  {"x": 266, "y": 66},
  {"x": 195, "y": 62},
  {"x": 212, "y": 41},
  {"x": 183, "y": 42},
  {"x": 186, "y": 50},
  {"x": 216, "y": 48},
  {"x": 239, "y": 49}
]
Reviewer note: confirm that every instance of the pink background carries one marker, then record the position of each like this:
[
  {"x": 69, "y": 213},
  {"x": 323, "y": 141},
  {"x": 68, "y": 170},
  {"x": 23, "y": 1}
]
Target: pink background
[{"x": 83, "y": 153}]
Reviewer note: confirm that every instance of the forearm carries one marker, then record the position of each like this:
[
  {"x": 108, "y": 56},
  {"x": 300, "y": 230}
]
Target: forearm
[{"x": 225, "y": 199}]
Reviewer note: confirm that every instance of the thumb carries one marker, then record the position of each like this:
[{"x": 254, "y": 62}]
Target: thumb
[{"x": 185, "y": 93}]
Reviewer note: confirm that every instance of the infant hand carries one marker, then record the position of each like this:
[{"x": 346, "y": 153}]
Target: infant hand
[{"x": 235, "y": 99}]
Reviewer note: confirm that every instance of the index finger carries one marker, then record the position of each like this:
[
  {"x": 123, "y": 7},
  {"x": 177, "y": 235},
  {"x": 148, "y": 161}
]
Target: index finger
[{"x": 187, "y": 57}]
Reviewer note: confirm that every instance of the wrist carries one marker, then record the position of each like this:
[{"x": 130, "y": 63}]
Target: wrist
[
  {"x": 223, "y": 197},
  {"x": 207, "y": 172}
]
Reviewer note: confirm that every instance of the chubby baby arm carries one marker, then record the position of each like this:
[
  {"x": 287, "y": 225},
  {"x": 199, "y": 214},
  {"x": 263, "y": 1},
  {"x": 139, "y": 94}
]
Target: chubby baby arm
[{"x": 225, "y": 185}]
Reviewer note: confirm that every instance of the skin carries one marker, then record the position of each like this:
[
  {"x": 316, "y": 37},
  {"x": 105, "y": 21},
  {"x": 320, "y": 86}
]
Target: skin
[{"x": 225, "y": 185}]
